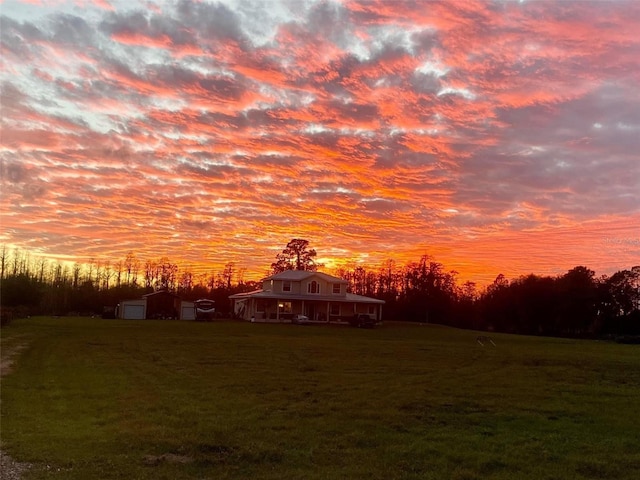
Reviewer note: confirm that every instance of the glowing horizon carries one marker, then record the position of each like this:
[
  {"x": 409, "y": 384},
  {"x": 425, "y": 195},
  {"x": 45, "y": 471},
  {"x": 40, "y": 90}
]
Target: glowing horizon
[{"x": 496, "y": 137}]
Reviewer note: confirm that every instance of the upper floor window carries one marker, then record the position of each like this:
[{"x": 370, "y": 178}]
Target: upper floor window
[
  {"x": 313, "y": 287},
  {"x": 336, "y": 288},
  {"x": 286, "y": 286}
]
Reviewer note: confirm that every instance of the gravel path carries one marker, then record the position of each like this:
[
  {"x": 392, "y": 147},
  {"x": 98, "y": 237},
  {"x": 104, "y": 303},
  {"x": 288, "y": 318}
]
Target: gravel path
[{"x": 9, "y": 468}]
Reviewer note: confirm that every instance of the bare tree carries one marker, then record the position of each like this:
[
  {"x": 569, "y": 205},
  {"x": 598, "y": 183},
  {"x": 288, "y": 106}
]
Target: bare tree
[
  {"x": 24, "y": 263},
  {"x": 98, "y": 274},
  {"x": 131, "y": 263},
  {"x": 76, "y": 274},
  {"x": 16, "y": 261},
  {"x": 42, "y": 264},
  {"x": 388, "y": 278},
  {"x": 185, "y": 283},
  {"x": 359, "y": 279},
  {"x": 3, "y": 259},
  {"x": 227, "y": 274},
  {"x": 89, "y": 271},
  {"x": 119, "y": 267},
  {"x": 167, "y": 273},
  {"x": 149, "y": 273},
  {"x": 211, "y": 281},
  {"x": 107, "y": 274},
  {"x": 240, "y": 275}
]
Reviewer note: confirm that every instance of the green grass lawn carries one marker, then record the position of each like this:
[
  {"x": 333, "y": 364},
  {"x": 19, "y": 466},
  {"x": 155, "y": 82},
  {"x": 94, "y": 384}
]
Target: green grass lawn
[{"x": 107, "y": 399}]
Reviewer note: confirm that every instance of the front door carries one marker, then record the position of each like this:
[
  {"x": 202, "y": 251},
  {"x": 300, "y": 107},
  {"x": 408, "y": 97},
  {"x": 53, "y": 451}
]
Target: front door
[{"x": 311, "y": 311}]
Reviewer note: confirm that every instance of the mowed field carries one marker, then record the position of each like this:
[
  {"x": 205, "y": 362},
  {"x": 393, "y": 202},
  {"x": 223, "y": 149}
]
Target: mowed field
[{"x": 107, "y": 399}]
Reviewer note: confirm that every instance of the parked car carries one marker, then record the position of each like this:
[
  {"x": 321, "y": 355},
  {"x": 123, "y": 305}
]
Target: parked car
[
  {"x": 299, "y": 319},
  {"x": 362, "y": 320}
]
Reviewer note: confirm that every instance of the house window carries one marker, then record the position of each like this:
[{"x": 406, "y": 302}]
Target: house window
[
  {"x": 313, "y": 287},
  {"x": 372, "y": 309},
  {"x": 334, "y": 309},
  {"x": 336, "y": 288},
  {"x": 285, "y": 307},
  {"x": 286, "y": 286}
]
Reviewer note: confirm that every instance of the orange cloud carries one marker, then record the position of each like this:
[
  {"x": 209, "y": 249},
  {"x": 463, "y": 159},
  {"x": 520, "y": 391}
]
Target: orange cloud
[{"x": 497, "y": 137}]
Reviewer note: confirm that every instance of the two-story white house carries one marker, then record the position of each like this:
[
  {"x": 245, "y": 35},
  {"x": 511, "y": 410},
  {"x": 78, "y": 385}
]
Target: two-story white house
[{"x": 319, "y": 296}]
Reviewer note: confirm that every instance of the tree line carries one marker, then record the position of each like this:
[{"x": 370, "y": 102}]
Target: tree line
[
  {"x": 577, "y": 303},
  {"x": 32, "y": 285}
]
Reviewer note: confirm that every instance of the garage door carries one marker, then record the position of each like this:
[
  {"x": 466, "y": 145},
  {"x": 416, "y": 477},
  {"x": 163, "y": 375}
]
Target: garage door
[
  {"x": 133, "y": 312},
  {"x": 188, "y": 313}
]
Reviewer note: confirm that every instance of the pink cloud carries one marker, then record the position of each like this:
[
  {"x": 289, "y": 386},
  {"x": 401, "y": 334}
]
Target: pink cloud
[
  {"x": 134, "y": 38},
  {"x": 472, "y": 131}
]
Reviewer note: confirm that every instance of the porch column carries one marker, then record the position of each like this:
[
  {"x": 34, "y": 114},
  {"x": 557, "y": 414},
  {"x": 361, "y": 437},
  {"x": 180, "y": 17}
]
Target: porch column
[
  {"x": 278, "y": 310},
  {"x": 328, "y": 311}
]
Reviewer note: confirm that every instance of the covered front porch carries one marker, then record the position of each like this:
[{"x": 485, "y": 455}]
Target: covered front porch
[{"x": 258, "y": 308}]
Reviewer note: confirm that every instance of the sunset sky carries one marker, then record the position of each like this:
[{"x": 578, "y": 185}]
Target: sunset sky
[{"x": 498, "y": 137}]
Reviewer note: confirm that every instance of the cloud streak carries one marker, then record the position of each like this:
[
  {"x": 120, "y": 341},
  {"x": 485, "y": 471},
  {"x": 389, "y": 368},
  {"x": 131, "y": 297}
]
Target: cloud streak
[{"x": 497, "y": 136}]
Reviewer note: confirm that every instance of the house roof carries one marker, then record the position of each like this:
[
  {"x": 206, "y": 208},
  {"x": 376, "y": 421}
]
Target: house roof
[
  {"x": 298, "y": 275},
  {"x": 161, "y": 292},
  {"x": 348, "y": 298},
  {"x": 352, "y": 297}
]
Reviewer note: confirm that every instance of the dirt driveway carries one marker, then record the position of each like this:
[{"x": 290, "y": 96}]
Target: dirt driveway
[{"x": 10, "y": 469}]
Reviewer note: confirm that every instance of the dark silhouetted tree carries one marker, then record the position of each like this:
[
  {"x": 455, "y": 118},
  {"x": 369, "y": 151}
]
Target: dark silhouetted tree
[
  {"x": 3, "y": 260},
  {"x": 296, "y": 256},
  {"x": 577, "y": 308},
  {"x": 619, "y": 303},
  {"x": 227, "y": 275},
  {"x": 167, "y": 273}
]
